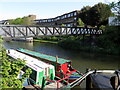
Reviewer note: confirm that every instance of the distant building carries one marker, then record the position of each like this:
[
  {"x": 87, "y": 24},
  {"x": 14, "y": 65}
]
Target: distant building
[
  {"x": 69, "y": 19},
  {"x": 32, "y": 17},
  {"x": 114, "y": 21}
]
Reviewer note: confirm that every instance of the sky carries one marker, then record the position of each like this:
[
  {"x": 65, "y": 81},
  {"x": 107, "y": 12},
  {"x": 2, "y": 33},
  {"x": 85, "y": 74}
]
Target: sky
[{"x": 11, "y": 9}]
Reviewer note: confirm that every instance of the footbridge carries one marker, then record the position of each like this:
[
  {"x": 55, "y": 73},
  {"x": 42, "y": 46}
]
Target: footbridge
[{"x": 26, "y": 31}]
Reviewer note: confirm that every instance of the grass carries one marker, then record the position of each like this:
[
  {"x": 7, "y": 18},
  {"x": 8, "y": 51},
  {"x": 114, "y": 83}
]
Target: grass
[{"x": 45, "y": 41}]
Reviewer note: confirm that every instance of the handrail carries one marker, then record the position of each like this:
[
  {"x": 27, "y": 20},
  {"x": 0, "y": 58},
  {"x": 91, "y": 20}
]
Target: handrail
[
  {"x": 74, "y": 83},
  {"x": 58, "y": 80},
  {"x": 50, "y": 80},
  {"x": 63, "y": 79}
]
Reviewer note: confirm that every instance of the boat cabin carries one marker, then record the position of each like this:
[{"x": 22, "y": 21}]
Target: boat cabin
[
  {"x": 40, "y": 70},
  {"x": 63, "y": 67}
]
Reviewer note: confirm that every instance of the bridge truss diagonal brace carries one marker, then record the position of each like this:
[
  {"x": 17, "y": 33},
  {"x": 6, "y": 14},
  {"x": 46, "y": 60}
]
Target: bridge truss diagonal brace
[
  {"x": 73, "y": 30},
  {"x": 20, "y": 31},
  {"x": 38, "y": 28},
  {"x": 57, "y": 30},
  {"x": 65, "y": 31},
  {"x": 68, "y": 30},
  {"x": 7, "y": 32},
  {"x": 31, "y": 30},
  {"x": 48, "y": 29}
]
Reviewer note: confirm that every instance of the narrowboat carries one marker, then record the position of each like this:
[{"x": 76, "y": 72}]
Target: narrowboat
[
  {"x": 63, "y": 67},
  {"x": 40, "y": 70}
]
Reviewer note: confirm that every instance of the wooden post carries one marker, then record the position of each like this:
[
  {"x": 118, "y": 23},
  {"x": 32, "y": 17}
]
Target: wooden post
[
  {"x": 58, "y": 85},
  {"x": 56, "y": 59}
]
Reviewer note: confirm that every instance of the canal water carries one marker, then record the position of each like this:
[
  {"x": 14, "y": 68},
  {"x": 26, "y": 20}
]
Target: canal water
[{"x": 80, "y": 60}]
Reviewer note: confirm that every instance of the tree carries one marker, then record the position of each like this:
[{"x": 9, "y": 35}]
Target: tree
[
  {"x": 17, "y": 21},
  {"x": 85, "y": 15},
  {"x": 26, "y": 21},
  {"x": 109, "y": 41},
  {"x": 96, "y": 15},
  {"x": 99, "y": 14},
  {"x": 10, "y": 69},
  {"x": 21, "y": 21},
  {"x": 80, "y": 23}
]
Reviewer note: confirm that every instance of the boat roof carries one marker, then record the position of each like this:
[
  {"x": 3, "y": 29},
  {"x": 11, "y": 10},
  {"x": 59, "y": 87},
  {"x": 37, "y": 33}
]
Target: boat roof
[
  {"x": 31, "y": 62},
  {"x": 44, "y": 56}
]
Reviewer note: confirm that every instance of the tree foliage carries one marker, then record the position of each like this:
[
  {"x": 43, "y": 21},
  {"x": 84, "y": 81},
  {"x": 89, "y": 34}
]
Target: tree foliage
[
  {"x": 21, "y": 21},
  {"x": 80, "y": 23},
  {"x": 109, "y": 41},
  {"x": 85, "y": 15},
  {"x": 100, "y": 13},
  {"x": 96, "y": 15},
  {"x": 10, "y": 69}
]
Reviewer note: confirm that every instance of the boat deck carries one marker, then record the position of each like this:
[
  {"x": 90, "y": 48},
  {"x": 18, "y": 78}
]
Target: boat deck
[{"x": 53, "y": 85}]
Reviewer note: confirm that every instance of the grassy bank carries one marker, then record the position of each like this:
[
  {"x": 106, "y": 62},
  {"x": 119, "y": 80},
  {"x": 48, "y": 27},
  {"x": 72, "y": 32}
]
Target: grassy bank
[
  {"x": 45, "y": 41},
  {"x": 53, "y": 40}
]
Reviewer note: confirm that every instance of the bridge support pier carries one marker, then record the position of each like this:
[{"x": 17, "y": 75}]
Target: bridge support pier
[
  {"x": 7, "y": 39},
  {"x": 24, "y": 39}
]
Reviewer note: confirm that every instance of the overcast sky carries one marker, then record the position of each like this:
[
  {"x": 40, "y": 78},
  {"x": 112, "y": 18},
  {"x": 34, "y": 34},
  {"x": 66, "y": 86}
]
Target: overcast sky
[{"x": 11, "y": 9}]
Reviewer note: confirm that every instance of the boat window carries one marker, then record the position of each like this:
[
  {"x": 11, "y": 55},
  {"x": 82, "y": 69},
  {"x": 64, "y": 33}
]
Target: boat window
[
  {"x": 33, "y": 75},
  {"x": 46, "y": 71}
]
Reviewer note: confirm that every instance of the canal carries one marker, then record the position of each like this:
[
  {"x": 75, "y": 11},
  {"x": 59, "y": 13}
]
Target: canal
[{"x": 80, "y": 60}]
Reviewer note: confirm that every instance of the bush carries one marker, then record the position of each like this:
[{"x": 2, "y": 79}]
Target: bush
[{"x": 109, "y": 41}]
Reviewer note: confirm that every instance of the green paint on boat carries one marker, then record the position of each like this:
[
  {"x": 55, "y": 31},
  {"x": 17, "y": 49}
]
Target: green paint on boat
[
  {"x": 44, "y": 56},
  {"x": 40, "y": 77},
  {"x": 51, "y": 74}
]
